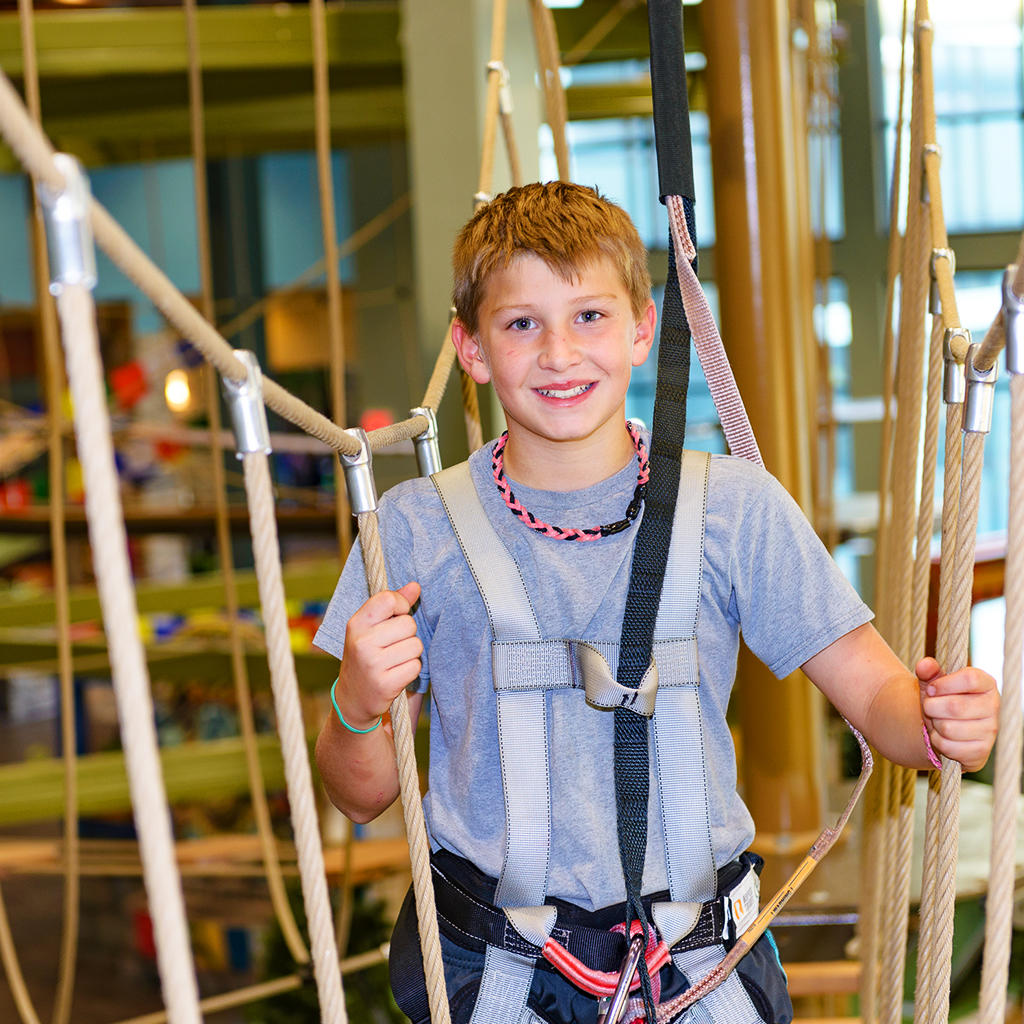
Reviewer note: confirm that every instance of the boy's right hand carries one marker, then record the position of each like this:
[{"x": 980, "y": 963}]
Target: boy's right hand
[{"x": 382, "y": 655}]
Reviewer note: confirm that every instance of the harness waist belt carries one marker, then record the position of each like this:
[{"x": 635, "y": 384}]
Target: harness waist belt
[{"x": 475, "y": 924}]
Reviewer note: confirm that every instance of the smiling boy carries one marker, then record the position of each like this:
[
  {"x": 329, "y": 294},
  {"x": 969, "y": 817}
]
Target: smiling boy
[{"x": 524, "y": 555}]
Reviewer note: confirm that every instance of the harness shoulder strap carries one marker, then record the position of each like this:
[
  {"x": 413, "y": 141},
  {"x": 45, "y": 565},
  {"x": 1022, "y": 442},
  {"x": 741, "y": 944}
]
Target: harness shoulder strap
[
  {"x": 522, "y": 741},
  {"x": 497, "y": 576}
]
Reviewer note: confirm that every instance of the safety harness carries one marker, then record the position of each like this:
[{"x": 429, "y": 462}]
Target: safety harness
[{"x": 526, "y": 668}]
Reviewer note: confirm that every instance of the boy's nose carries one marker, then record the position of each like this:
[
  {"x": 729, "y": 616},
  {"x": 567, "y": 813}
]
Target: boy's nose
[{"x": 559, "y": 350}]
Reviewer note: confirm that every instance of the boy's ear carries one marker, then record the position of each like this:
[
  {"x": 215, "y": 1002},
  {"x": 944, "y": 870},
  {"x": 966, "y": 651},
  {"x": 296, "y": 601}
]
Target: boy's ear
[
  {"x": 643, "y": 339},
  {"x": 470, "y": 353}
]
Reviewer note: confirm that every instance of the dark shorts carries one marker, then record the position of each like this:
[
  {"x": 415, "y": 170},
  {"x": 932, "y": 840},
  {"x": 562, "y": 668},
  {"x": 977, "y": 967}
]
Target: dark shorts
[{"x": 552, "y": 997}]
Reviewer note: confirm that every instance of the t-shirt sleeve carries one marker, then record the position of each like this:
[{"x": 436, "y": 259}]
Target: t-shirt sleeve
[
  {"x": 352, "y": 592},
  {"x": 789, "y": 595}
]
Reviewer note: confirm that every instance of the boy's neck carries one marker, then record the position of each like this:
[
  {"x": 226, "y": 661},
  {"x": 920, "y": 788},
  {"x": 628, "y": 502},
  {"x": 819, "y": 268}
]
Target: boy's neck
[{"x": 567, "y": 465}]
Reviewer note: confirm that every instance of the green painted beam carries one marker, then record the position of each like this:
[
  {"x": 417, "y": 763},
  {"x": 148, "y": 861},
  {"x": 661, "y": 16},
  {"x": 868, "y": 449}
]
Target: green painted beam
[
  {"x": 149, "y": 40},
  {"x": 301, "y": 583},
  {"x": 372, "y": 111},
  {"x": 172, "y": 663},
  {"x": 113, "y": 82},
  {"x": 34, "y": 790},
  {"x": 81, "y": 42}
]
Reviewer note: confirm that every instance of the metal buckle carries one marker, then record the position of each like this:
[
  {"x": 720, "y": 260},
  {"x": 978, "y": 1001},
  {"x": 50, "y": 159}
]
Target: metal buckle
[{"x": 616, "y": 1003}]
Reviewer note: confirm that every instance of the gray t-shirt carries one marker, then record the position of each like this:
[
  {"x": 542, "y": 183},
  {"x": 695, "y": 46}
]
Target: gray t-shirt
[{"x": 765, "y": 572}]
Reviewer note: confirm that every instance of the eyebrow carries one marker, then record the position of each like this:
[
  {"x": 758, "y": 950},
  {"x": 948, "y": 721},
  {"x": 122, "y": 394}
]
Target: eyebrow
[{"x": 582, "y": 299}]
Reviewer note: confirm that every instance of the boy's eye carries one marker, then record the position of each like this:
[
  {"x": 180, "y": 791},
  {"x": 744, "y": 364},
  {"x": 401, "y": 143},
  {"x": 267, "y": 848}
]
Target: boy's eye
[
  {"x": 588, "y": 316},
  {"x": 521, "y": 323}
]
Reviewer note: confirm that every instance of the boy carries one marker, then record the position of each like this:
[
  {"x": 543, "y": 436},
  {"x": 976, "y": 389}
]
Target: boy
[{"x": 553, "y": 307}]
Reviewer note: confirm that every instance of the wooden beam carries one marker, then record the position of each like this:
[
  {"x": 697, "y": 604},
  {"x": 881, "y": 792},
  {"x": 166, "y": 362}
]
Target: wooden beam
[
  {"x": 150, "y": 40},
  {"x": 301, "y": 582},
  {"x": 34, "y": 790}
]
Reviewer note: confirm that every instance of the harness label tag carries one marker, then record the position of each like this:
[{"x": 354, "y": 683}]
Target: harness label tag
[{"x": 741, "y": 905}]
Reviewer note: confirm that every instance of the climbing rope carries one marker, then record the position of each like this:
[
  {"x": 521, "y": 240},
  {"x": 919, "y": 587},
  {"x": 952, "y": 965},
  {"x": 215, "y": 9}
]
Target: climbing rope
[
  {"x": 128, "y": 664},
  {"x": 336, "y": 350},
  {"x": 1006, "y": 781},
  {"x": 546, "y": 40},
  {"x": 412, "y": 804},
  {"x": 54, "y": 388},
  {"x": 312, "y": 874},
  {"x": 239, "y": 671}
]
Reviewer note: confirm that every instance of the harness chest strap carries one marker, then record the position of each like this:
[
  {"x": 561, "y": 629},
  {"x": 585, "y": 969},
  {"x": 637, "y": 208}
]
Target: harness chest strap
[{"x": 525, "y": 666}]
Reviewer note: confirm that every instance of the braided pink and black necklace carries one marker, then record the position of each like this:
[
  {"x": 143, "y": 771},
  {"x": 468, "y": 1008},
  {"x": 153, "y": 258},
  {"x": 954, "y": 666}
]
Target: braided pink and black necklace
[{"x": 572, "y": 533}]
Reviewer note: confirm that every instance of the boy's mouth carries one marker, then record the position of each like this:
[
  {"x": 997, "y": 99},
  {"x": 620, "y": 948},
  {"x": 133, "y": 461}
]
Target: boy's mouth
[{"x": 571, "y": 392}]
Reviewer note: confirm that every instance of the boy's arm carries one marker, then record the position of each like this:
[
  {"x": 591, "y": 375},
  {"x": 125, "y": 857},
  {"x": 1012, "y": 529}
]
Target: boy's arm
[
  {"x": 382, "y": 657},
  {"x": 871, "y": 687}
]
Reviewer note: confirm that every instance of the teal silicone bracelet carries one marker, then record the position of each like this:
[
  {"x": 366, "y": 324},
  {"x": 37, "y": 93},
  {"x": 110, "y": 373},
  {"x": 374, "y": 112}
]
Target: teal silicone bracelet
[{"x": 341, "y": 717}]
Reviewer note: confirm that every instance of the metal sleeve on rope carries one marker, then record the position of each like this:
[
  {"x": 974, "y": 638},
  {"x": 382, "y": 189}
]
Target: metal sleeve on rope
[
  {"x": 668, "y": 91},
  {"x": 248, "y": 413},
  {"x": 981, "y": 393},
  {"x": 954, "y": 381},
  {"x": 428, "y": 451},
  {"x": 362, "y": 491},
  {"x": 927, "y": 150},
  {"x": 934, "y": 299},
  {"x": 68, "y": 229},
  {"x": 505, "y": 93},
  {"x": 1013, "y": 319}
]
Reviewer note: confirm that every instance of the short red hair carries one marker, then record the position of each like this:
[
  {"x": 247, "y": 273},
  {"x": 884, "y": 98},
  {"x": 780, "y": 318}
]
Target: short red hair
[{"x": 567, "y": 226}]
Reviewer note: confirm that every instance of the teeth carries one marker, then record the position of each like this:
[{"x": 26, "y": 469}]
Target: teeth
[{"x": 568, "y": 393}]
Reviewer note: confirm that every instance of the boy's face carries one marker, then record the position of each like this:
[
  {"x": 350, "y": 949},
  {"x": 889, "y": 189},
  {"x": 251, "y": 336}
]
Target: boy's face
[{"x": 559, "y": 353}]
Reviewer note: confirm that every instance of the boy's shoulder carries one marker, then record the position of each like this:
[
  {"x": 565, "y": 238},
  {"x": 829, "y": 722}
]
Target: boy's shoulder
[
  {"x": 731, "y": 477},
  {"x": 417, "y": 496}
]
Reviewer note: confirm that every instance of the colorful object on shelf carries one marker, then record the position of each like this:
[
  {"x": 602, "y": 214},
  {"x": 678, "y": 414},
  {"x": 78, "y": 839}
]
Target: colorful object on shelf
[
  {"x": 74, "y": 481},
  {"x": 374, "y": 419},
  {"x": 169, "y": 451},
  {"x": 129, "y": 384},
  {"x": 15, "y": 494}
]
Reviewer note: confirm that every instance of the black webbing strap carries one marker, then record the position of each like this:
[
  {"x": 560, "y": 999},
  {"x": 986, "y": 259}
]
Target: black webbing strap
[
  {"x": 671, "y": 109},
  {"x": 668, "y": 430},
  {"x": 650, "y": 555}
]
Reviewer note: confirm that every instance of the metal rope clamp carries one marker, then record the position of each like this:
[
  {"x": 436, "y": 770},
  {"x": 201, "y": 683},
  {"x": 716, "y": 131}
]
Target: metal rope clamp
[
  {"x": 245, "y": 402},
  {"x": 954, "y": 380},
  {"x": 934, "y": 296},
  {"x": 505, "y": 92},
  {"x": 428, "y": 451},
  {"x": 927, "y": 150},
  {"x": 1013, "y": 322},
  {"x": 362, "y": 491},
  {"x": 68, "y": 229},
  {"x": 981, "y": 393}
]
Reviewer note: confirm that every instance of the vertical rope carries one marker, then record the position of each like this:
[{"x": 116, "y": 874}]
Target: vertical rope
[
  {"x": 950, "y": 514},
  {"x": 1006, "y": 784},
  {"x": 12, "y": 968},
  {"x": 471, "y": 411},
  {"x": 899, "y": 832},
  {"x": 54, "y": 386},
  {"x": 546, "y": 39},
  {"x": 288, "y": 710},
  {"x": 492, "y": 104},
  {"x": 948, "y": 824},
  {"x": 412, "y": 805},
  {"x": 336, "y": 340},
  {"x": 876, "y": 809},
  {"x": 239, "y": 670},
  {"x": 127, "y": 658}
]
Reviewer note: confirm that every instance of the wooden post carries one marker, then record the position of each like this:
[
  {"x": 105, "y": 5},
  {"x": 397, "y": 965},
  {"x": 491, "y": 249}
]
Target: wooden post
[{"x": 763, "y": 256}]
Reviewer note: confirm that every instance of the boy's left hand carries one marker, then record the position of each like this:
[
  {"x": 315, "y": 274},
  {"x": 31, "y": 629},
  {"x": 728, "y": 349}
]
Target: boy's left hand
[{"x": 960, "y": 711}]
